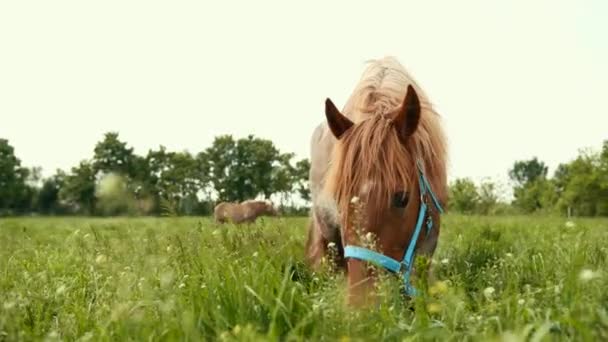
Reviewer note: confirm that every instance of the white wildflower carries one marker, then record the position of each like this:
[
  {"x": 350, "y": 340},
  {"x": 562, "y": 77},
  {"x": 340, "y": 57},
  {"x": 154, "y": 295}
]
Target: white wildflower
[
  {"x": 570, "y": 224},
  {"x": 100, "y": 259},
  {"x": 354, "y": 200},
  {"x": 557, "y": 289},
  {"x": 255, "y": 254},
  {"x": 521, "y": 302},
  {"x": 169, "y": 249},
  {"x": 369, "y": 236},
  {"x": 60, "y": 290},
  {"x": 87, "y": 336},
  {"x": 509, "y": 255},
  {"x": 331, "y": 245},
  {"x": 587, "y": 274},
  {"x": 445, "y": 261},
  {"x": 182, "y": 285},
  {"x": 488, "y": 292}
]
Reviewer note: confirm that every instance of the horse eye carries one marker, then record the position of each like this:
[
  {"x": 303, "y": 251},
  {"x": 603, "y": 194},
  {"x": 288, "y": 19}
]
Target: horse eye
[{"x": 400, "y": 199}]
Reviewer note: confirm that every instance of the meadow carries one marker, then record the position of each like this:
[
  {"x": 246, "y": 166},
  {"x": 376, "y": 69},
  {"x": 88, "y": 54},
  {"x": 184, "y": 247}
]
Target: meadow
[{"x": 524, "y": 278}]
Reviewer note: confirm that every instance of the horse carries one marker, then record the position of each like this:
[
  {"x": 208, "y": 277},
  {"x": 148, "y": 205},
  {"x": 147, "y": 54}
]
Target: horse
[
  {"x": 378, "y": 179},
  {"x": 245, "y": 212}
]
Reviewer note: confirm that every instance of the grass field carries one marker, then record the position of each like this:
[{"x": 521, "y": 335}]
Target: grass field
[{"x": 516, "y": 278}]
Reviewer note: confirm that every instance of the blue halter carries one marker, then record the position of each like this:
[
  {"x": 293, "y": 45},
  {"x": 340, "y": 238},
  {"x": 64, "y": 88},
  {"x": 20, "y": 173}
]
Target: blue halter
[{"x": 404, "y": 266}]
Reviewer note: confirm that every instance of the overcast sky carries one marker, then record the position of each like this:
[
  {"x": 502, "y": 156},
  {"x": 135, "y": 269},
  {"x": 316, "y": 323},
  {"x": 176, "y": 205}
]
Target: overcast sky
[{"x": 512, "y": 80}]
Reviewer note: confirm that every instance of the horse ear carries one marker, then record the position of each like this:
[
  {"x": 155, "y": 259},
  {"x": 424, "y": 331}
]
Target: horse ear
[
  {"x": 406, "y": 120},
  {"x": 338, "y": 123}
]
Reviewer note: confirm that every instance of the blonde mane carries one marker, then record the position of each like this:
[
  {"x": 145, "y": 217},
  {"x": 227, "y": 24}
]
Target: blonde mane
[{"x": 372, "y": 151}]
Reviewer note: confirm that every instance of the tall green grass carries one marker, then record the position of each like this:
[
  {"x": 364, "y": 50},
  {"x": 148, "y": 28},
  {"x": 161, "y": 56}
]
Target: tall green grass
[{"x": 516, "y": 278}]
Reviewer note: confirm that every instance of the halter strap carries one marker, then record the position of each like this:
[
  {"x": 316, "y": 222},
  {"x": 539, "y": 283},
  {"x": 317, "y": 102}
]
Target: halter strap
[{"x": 406, "y": 264}]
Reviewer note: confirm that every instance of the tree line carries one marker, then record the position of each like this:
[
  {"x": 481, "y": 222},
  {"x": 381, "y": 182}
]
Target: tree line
[
  {"x": 116, "y": 181},
  {"x": 578, "y": 187}
]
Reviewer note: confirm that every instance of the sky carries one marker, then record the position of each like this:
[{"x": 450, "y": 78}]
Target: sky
[{"x": 511, "y": 79}]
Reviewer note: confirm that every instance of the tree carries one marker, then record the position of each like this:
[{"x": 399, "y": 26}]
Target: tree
[
  {"x": 177, "y": 177},
  {"x": 584, "y": 191},
  {"x": 463, "y": 196},
  {"x": 48, "y": 196},
  {"x": 220, "y": 159},
  {"x": 487, "y": 198},
  {"x": 282, "y": 180},
  {"x": 112, "y": 155},
  {"x": 531, "y": 184},
  {"x": 301, "y": 176},
  {"x": 539, "y": 194},
  {"x": 78, "y": 190},
  {"x": 524, "y": 172},
  {"x": 245, "y": 168},
  {"x": 15, "y": 195}
]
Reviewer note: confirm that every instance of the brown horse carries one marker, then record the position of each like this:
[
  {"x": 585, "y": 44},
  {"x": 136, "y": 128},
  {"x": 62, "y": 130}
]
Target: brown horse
[
  {"x": 245, "y": 212},
  {"x": 368, "y": 154}
]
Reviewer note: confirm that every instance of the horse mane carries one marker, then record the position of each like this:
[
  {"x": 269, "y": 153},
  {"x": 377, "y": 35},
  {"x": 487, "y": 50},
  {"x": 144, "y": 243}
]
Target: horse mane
[{"x": 389, "y": 164}]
